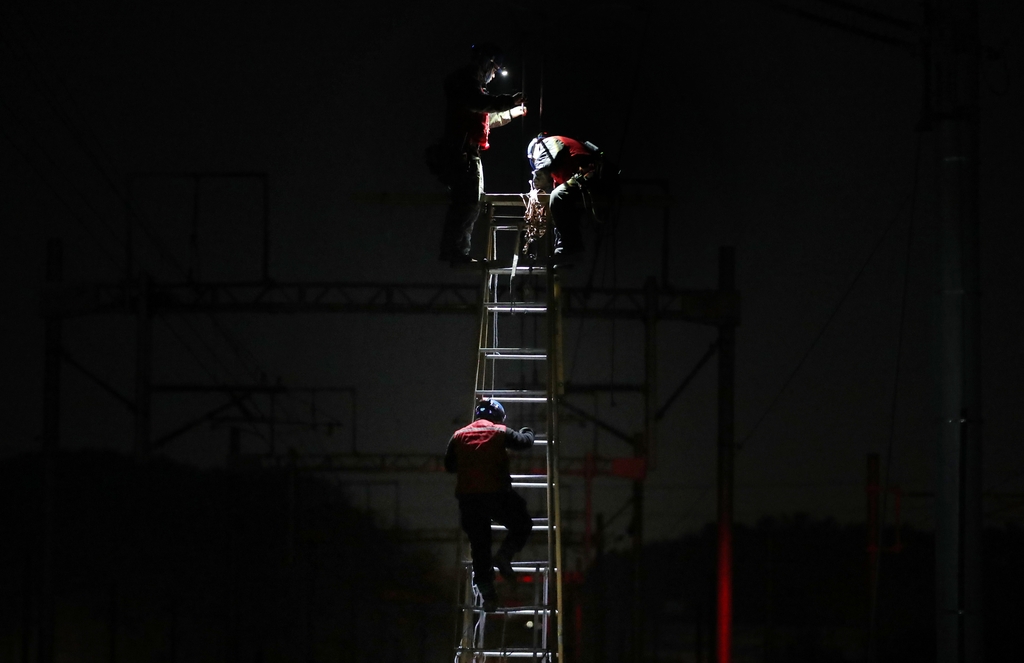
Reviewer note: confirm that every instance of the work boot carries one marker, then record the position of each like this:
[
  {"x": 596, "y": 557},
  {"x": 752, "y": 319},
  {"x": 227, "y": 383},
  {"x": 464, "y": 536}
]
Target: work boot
[
  {"x": 489, "y": 596},
  {"x": 503, "y": 561}
]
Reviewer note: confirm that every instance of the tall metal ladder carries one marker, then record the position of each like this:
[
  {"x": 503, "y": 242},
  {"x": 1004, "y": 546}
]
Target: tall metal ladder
[{"x": 519, "y": 363}]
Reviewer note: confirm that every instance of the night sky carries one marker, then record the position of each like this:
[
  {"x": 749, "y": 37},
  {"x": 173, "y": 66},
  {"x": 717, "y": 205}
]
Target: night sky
[{"x": 795, "y": 142}]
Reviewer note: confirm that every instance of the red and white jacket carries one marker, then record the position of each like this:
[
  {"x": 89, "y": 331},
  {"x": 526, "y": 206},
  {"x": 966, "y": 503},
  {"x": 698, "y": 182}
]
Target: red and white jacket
[{"x": 478, "y": 454}]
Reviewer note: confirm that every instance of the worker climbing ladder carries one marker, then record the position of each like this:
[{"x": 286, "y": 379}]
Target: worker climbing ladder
[{"x": 519, "y": 364}]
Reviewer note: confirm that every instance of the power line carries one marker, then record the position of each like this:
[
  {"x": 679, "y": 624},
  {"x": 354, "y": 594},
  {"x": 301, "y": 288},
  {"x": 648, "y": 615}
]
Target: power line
[
  {"x": 895, "y": 396},
  {"x": 59, "y": 197},
  {"x": 242, "y": 353},
  {"x": 842, "y": 300}
]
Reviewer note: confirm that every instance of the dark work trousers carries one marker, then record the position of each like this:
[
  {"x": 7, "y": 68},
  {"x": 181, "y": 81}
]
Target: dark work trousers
[
  {"x": 476, "y": 511},
  {"x": 463, "y": 208},
  {"x": 566, "y": 205}
]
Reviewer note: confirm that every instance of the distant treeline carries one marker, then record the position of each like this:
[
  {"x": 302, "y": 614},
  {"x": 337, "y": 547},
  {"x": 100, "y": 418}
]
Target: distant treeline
[
  {"x": 162, "y": 562},
  {"x": 800, "y": 594}
]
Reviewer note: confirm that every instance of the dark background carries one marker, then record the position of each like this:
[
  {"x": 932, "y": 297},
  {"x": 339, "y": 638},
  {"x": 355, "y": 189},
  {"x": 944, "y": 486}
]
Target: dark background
[{"x": 798, "y": 143}]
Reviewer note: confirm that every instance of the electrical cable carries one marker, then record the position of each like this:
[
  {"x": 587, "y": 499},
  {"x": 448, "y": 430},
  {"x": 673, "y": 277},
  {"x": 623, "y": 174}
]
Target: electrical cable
[
  {"x": 636, "y": 80},
  {"x": 202, "y": 365},
  {"x": 70, "y": 125},
  {"x": 821, "y": 333},
  {"x": 912, "y": 203},
  {"x": 64, "y": 203},
  {"x": 76, "y": 132},
  {"x": 873, "y": 623}
]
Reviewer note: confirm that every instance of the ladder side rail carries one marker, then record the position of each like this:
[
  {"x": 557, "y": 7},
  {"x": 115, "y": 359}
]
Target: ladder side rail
[
  {"x": 554, "y": 547},
  {"x": 480, "y": 379}
]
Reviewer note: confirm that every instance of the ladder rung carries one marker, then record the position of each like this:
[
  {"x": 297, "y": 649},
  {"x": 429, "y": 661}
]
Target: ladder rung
[
  {"x": 511, "y": 652},
  {"x": 519, "y": 270},
  {"x": 536, "y": 354},
  {"x": 517, "y": 307},
  {"x": 502, "y": 528},
  {"x": 538, "y": 566},
  {"x": 527, "y": 477},
  {"x": 526, "y": 610},
  {"x": 505, "y": 198},
  {"x": 537, "y": 522},
  {"x": 515, "y": 395}
]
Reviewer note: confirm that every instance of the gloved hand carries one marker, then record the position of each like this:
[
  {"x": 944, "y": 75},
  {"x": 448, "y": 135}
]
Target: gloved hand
[{"x": 526, "y": 430}]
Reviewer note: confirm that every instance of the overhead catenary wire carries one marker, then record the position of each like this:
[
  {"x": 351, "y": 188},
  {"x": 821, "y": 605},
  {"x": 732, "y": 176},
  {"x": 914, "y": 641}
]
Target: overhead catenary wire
[
  {"x": 911, "y": 203},
  {"x": 93, "y": 154},
  {"x": 891, "y": 442},
  {"x": 63, "y": 201},
  {"x": 828, "y": 321}
]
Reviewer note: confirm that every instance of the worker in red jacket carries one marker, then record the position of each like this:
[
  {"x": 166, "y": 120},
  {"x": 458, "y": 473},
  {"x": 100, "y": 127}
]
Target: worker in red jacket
[
  {"x": 565, "y": 167},
  {"x": 478, "y": 455},
  {"x": 471, "y": 114}
]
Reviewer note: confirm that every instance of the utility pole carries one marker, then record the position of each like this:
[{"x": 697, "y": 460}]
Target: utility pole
[
  {"x": 143, "y": 369},
  {"x": 959, "y": 486},
  {"x": 51, "y": 447},
  {"x": 874, "y": 543},
  {"x": 726, "y": 453},
  {"x": 641, "y": 451}
]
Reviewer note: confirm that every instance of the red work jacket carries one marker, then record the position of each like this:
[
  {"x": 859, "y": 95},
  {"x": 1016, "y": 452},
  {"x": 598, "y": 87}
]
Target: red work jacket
[{"x": 480, "y": 458}]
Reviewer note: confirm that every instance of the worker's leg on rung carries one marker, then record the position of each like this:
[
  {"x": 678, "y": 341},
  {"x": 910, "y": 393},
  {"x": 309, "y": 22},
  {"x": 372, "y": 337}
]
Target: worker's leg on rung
[
  {"x": 510, "y": 511},
  {"x": 476, "y": 523}
]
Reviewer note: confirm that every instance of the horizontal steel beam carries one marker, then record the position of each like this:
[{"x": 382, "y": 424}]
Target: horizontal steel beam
[
  {"x": 400, "y": 463},
  {"x": 710, "y": 307}
]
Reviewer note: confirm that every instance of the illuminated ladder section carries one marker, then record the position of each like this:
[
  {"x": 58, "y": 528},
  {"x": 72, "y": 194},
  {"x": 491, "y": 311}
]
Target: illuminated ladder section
[{"x": 519, "y": 364}]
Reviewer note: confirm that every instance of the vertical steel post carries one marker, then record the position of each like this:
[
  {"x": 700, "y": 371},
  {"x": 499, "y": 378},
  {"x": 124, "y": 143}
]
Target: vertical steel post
[
  {"x": 641, "y": 450},
  {"x": 556, "y": 388},
  {"x": 143, "y": 370},
  {"x": 958, "y": 490},
  {"x": 129, "y": 252},
  {"x": 266, "y": 228},
  {"x": 874, "y": 537},
  {"x": 51, "y": 445},
  {"x": 600, "y": 638},
  {"x": 726, "y": 452}
]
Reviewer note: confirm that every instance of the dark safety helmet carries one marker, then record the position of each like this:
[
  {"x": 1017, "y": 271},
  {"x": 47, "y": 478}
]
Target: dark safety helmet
[
  {"x": 491, "y": 410},
  {"x": 488, "y": 51},
  {"x": 489, "y": 57}
]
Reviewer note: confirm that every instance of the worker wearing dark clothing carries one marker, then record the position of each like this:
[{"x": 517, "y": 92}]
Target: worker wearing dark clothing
[
  {"x": 478, "y": 454},
  {"x": 561, "y": 166},
  {"x": 471, "y": 114}
]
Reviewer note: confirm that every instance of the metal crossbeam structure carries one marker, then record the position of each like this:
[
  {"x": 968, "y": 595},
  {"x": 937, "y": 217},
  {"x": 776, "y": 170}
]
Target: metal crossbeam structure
[
  {"x": 401, "y": 463},
  {"x": 711, "y": 307},
  {"x": 500, "y": 292}
]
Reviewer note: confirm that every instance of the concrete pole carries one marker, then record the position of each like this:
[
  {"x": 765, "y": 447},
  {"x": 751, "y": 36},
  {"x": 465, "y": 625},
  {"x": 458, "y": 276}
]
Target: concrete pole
[
  {"x": 726, "y": 453},
  {"x": 642, "y": 450},
  {"x": 874, "y": 549},
  {"x": 143, "y": 371},
  {"x": 959, "y": 481},
  {"x": 51, "y": 445}
]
